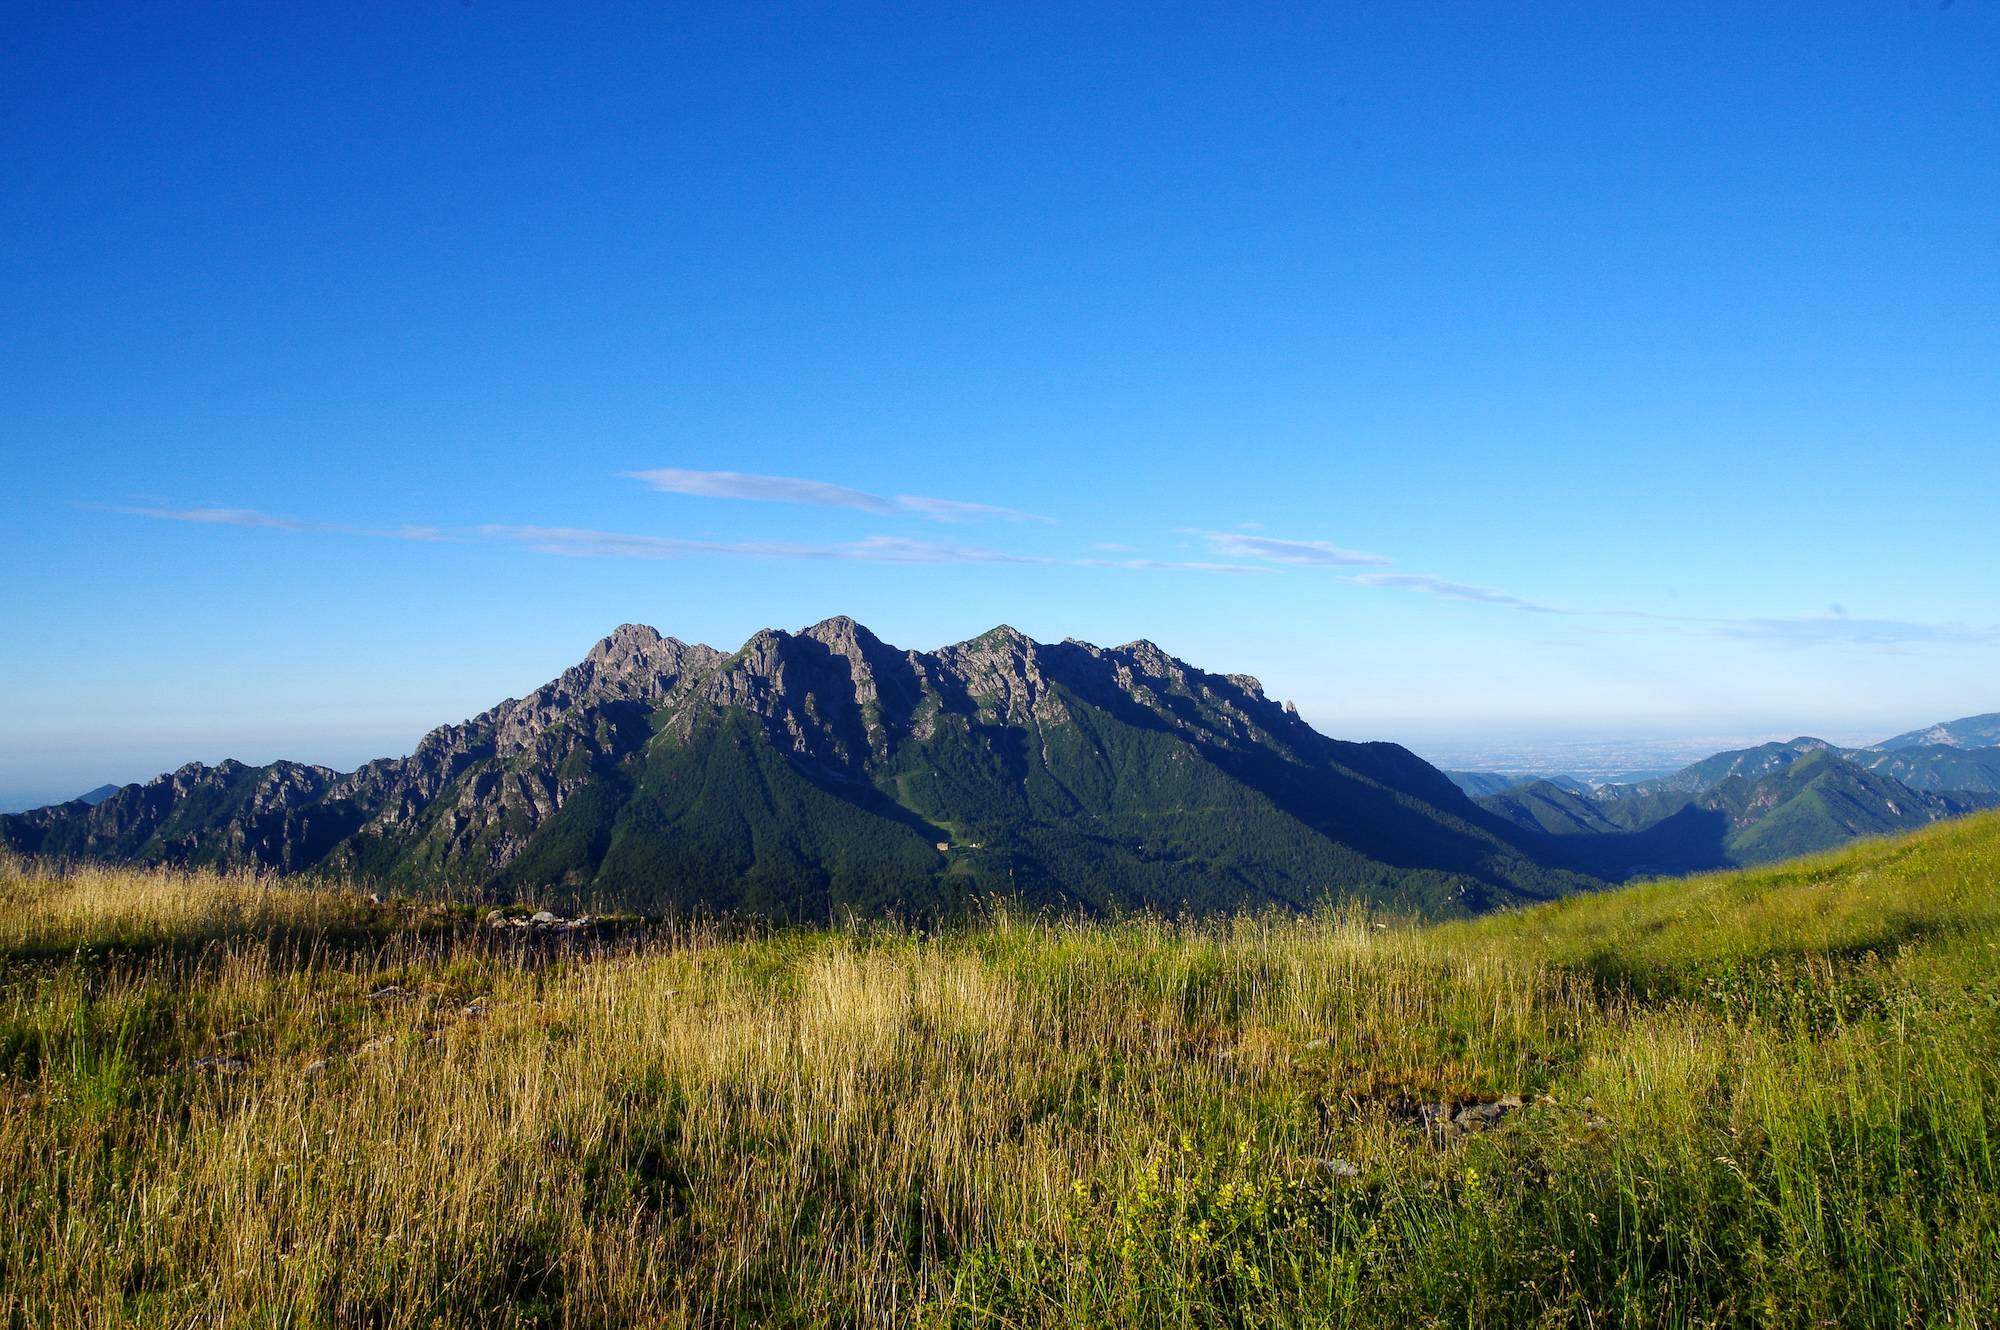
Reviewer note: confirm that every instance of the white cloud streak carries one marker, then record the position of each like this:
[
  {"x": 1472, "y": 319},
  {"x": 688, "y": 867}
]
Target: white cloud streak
[
  {"x": 1438, "y": 586},
  {"x": 1808, "y": 630},
  {"x": 1818, "y": 630},
  {"x": 580, "y": 543},
  {"x": 819, "y": 494},
  {"x": 252, "y": 518},
  {"x": 1298, "y": 553},
  {"x": 575, "y": 542},
  {"x": 951, "y": 510},
  {"x": 1171, "y": 566}
]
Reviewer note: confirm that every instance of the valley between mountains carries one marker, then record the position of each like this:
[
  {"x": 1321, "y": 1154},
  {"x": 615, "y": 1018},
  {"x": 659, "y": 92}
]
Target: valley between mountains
[{"x": 821, "y": 774}]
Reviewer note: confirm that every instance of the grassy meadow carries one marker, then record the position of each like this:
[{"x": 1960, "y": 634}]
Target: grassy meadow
[{"x": 1764, "y": 1098}]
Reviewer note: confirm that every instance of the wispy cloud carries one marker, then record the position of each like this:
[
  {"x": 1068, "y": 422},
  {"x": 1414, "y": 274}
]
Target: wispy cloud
[
  {"x": 575, "y": 542},
  {"x": 819, "y": 494},
  {"x": 1805, "y": 630},
  {"x": 1298, "y": 553},
  {"x": 951, "y": 510},
  {"x": 269, "y": 521},
  {"x": 580, "y": 543},
  {"x": 1438, "y": 586},
  {"x": 1817, "y": 629},
  {"x": 766, "y": 489},
  {"x": 221, "y": 517},
  {"x": 1170, "y": 566},
  {"x": 900, "y": 549}
]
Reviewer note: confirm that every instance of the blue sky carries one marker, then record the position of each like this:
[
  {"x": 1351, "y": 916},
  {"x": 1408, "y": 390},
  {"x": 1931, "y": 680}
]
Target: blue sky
[{"x": 1568, "y": 369}]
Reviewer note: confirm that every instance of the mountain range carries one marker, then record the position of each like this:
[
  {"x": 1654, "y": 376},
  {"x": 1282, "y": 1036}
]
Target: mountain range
[
  {"x": 812, "y": 775},
  {"x": 1753, "y": 805},
  {"x": 1955, "y": 755}
]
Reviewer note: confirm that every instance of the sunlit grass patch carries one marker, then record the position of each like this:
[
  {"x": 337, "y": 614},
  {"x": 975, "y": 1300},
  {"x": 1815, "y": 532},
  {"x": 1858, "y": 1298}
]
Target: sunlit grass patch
[{"x": 1750, "y": 1099}]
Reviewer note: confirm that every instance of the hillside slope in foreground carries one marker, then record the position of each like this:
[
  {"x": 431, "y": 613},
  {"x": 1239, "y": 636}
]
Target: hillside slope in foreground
[{"x": 1763, "y": 1098}]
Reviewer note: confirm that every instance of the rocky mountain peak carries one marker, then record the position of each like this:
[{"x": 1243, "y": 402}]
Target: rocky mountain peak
[
  {"x": 844, "y": 636},
  {"x": 820, "y": 769},
  {"x": 1250, "y": 684},
  {"x": 1145, "y": 660},
  {"x": 642, "y": 659},
  {"x": 639, "y": 633},
  {"x": 995, "y": 644},
  {"x": 1000, "y": 669}
]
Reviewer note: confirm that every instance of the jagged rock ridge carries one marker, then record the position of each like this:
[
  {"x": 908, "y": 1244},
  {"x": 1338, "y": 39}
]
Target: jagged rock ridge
[{"x": 821, "y": 772}]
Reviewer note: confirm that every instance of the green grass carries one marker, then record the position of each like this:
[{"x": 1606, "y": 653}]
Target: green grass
[{"x": 1751, "y": 1099}]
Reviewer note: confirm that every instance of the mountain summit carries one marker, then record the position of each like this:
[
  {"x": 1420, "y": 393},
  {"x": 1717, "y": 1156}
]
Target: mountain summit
[{"x": 817, "y": 773}]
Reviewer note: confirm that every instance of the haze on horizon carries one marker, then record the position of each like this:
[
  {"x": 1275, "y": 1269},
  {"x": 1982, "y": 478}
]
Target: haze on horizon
[{"x": 1470, "y": 375}]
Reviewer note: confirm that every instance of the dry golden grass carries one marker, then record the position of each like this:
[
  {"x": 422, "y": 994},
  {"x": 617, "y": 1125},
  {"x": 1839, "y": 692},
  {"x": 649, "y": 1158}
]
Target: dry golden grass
[
  {"x": 44, "y": 910},
  {"x": 1753, "y": 1100}
]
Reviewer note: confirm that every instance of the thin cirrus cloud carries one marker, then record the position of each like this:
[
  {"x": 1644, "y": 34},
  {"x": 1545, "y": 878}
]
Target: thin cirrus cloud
[
  {"x": 820, "y": 494},
  {"x": 578, "y": 543},
  {"x": 574, "y": 542},
  {"x": 581, "y": 542},
  {"x": 1801, "y": 631},
  {"x": 1820, "y": 629},
  {"x": 271, "y": 522},
  {"x": 1438, "y": 586},
  {"x": 1298, "y": 553},
  {"x": 1170, "y": 566},
  {"x": 1804, "y": 631}
]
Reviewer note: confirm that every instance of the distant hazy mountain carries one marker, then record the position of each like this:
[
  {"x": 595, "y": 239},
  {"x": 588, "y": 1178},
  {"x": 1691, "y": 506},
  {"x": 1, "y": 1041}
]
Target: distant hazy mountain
[
  {"x": 1711, "y": 771},
  {"x": 810, "y": 774},
  {"x": 1479, "y": 784},
  {"x": 1968, "y": 732},
  {"x": 96, "y": 796},
  {"x": 1935, "y": 767},
  {"x": 1813, "y": 799}
]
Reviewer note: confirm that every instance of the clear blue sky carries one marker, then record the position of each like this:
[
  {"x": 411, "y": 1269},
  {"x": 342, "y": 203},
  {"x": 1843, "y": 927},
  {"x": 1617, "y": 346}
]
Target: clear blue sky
[{"x": 363, "y": 363}]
